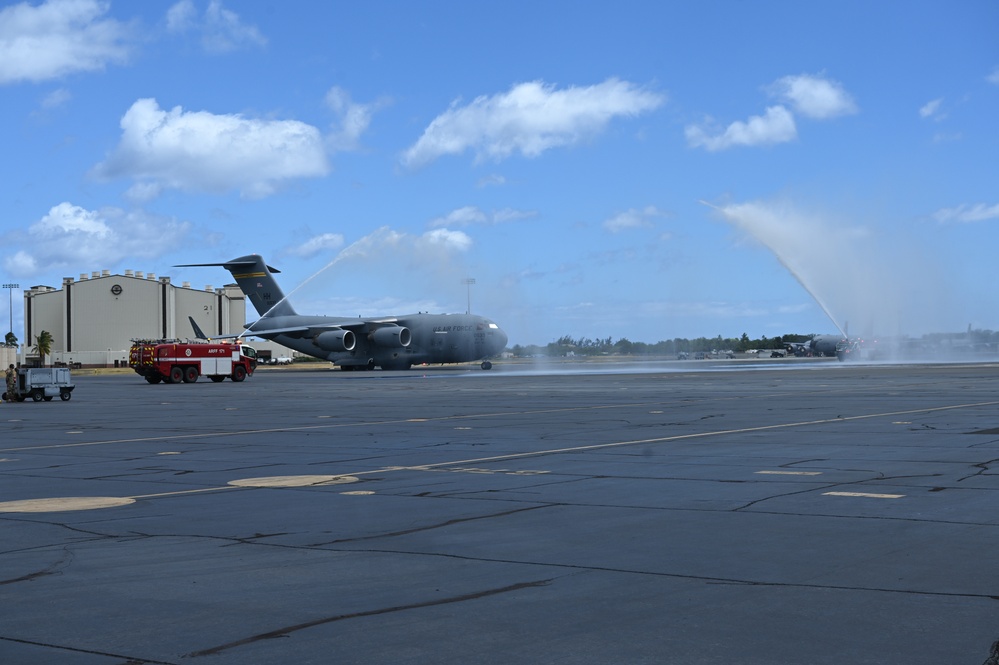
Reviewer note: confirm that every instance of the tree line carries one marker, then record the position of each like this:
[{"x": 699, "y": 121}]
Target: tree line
[{"x": 584, "y": 346}]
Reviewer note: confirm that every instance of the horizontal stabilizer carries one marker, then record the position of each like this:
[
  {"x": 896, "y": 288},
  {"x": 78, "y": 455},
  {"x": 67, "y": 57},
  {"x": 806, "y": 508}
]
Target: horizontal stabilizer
[{"x": 228, "y": 265}]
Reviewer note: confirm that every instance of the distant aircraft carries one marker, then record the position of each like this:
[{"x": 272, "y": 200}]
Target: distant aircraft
[
  {"x": 392, "y": 342},
  {"x": 825, "y": 345}
]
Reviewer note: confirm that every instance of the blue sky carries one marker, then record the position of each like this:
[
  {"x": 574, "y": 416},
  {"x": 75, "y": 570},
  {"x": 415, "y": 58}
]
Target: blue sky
[{"x": 645, "y": 170}]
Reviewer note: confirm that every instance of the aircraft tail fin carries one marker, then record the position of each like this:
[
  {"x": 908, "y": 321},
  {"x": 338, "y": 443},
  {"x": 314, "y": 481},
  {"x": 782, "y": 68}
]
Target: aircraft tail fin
[
  {"x": 198, "y": 332},
  {"x": 255, "y": 278}
]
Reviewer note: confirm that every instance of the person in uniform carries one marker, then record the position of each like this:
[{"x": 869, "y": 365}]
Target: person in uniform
[{"x": 11, "y": 383}]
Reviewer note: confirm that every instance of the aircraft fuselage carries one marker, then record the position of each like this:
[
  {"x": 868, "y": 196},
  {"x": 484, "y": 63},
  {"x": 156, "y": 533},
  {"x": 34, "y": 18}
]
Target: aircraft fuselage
[{"x": 432, "y": 339}]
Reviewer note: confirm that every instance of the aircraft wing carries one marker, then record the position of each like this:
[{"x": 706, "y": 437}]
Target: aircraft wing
[{"x": 305, "y": 330}]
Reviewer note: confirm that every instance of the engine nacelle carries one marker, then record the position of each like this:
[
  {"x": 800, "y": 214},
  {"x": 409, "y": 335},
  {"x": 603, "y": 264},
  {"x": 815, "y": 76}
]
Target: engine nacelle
[
  {"x": 391, "y": 336},
  {"x": 335, "y": 340}
]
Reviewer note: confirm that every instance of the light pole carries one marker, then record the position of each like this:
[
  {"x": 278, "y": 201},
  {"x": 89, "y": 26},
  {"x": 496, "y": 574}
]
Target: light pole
[
  {"x": 468, "y": 281},
  {"x": 10, "y": 298}
]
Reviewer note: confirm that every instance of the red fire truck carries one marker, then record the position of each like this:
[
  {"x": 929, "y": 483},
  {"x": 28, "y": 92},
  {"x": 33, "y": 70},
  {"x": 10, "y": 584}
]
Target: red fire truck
[{"x": 173, "y": 361}]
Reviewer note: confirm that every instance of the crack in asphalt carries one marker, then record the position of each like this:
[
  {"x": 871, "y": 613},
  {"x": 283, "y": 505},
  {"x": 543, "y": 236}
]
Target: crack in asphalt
[
  {"x": 431, "y": 527},
  {"x": 687, "y": 576},
  {"x": 55, "y": 568},
  {"x": 285, "y": 631},
  {"x": 126, "y": 660}
]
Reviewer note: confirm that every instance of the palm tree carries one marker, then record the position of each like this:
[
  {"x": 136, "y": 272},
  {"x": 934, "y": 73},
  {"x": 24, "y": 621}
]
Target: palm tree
[{"x": 43, "y": 345}]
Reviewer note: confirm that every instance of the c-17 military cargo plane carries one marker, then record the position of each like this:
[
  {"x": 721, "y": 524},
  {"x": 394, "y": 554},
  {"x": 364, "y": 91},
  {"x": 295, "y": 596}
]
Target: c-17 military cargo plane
[{"x": 391, "y": 342}]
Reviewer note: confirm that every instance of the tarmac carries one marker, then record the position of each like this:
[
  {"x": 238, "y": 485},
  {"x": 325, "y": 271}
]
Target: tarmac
[{"x": 664, "y": 512}]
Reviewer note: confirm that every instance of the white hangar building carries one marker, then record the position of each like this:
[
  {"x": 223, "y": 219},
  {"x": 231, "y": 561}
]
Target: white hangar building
[{"x": 94, "y": 319}]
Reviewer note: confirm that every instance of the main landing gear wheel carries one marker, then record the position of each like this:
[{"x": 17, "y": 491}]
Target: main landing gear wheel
[{"x": 486, "y": 364}]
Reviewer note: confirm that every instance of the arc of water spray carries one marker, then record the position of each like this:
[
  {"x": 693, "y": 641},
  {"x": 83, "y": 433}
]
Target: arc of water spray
[
  {"x": 305, "y": 281},
  {"x": 794, "y": 274}
]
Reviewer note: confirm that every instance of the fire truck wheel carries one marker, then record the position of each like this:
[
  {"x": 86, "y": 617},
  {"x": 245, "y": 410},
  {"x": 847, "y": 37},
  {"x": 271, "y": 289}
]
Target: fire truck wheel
[
  {"x": 238, "y": 373},
  {"x": 176, "y": 374},
  {"x": 190, "y": 374},
  {"x": 217, "y": 379}
]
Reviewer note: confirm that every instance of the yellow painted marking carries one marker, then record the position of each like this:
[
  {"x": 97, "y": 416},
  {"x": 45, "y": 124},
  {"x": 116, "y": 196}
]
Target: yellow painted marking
[
  {"x": 60, "y": 504},
  {"x": 293, "y": 481},
  {"x": 865, "y": 494},
  {"x": 791, "y": 473}
]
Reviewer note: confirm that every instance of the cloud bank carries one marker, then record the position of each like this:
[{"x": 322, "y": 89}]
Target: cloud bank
[
  {"x": 197, "y": 151},
  {"x": 528, "y": 119},
  {"x": 814, "y": 97},
  {"x": 58, "y": 38},
  {"x": 70, "y": 236}
]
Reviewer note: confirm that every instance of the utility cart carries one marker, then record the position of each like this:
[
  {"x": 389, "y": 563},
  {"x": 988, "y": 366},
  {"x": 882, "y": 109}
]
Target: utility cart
[{"x": 42, "y": 383}]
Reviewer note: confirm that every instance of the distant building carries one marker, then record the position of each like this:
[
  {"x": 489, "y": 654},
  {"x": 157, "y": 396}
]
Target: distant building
[{"x": 94, "y": 319}]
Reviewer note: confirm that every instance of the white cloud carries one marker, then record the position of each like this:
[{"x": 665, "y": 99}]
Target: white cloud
[
  {"x": 57, "y": 38},
  {"x": 319, "y": 244},
  {"x": 182, "y": 16},
  {"x": 221, "y": 29},
  {"x": 814, "y": 96},
  {"x": 471, "y": 215},
  {"x": 994, "y": 76},
  {"x": 493, "y": 179},
  {"x": 528, "y": 119},
  {"x": 632, "y": 219},
  {"x": 352, "y": 119},
  {"x": 775, "y": 126},
  {"x": 76, "y": 239},
  {"x": 966, "y": 213},
  {"x": 811, "y": 96},
  {"x": 56, "y": 98},
  {"x": 931, "y": 109},
  {"x": 200, "y": 151}
]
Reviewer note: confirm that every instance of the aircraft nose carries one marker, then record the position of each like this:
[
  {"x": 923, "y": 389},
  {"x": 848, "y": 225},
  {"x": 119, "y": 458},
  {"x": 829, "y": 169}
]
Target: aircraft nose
[{"x": 500, "y": 339}]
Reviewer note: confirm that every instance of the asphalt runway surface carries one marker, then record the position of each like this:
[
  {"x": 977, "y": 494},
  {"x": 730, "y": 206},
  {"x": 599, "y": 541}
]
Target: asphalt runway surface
[{"x": 748, "y": 513}]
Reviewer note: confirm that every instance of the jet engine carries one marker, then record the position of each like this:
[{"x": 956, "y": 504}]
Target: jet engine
[
  {"x": 391, "y": 336},
  {"x": 335, "y": 340}
]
